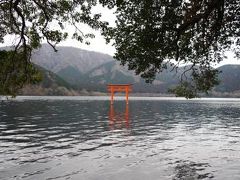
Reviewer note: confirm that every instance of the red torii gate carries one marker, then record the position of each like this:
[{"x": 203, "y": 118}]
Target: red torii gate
[{"x": 119, "y": 88}]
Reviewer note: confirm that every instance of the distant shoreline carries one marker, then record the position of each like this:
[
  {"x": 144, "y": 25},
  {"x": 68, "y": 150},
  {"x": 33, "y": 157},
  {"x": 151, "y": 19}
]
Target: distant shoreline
[
  {"x": 117, "y": 98},
  {"x": 212, "y": 94}
]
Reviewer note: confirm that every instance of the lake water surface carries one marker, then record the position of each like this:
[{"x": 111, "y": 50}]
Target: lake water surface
[{"x": 151, "y": 138}]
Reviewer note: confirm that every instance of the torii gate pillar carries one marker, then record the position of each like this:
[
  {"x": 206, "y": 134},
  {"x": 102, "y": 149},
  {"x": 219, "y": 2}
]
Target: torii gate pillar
[{"x": 112, "y": 88}]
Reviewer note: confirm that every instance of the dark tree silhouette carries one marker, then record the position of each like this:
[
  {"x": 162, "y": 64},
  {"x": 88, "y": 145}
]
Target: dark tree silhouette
[
  {"x": 152, "y": 35},
  {"x": 149, "y": 36},
  {"x": 31, "y": 21}
]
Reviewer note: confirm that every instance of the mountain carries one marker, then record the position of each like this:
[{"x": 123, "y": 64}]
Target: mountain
[
  {"x": 51, "y": 84},
  {"x": 229, "y": 78},
  {"x": 68, "y": 57},
  {"x": 113, "y": 72},
  {"x": 68, "y": 62},
  {"x": 91, "y": 71}
]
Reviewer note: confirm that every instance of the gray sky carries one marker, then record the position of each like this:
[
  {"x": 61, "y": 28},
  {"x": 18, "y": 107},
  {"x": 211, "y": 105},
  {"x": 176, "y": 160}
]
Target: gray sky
[{"x": 98, "y": 44}]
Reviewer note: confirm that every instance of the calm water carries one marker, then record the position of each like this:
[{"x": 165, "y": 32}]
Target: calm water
[{"x": 86, "y": 138}]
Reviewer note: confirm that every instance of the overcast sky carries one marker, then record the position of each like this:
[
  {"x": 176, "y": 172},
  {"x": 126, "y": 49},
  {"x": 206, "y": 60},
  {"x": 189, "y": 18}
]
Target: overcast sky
[{"x": 98, "y": 44}]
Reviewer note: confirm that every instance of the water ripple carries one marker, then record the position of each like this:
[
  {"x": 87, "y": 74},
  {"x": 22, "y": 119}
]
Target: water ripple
[{"x": 147, "y": 140}]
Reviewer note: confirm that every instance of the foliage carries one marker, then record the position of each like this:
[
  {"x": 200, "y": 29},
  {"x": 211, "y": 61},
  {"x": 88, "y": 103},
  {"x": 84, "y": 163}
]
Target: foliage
[
  {"x": 50, "y": 79},
  {"x": 229, "y": 77},
  {"x": 33, "y": 21},
  {"x": 15, "y": 74},
  {"x": 200, "y": 82},
  {"x": 149, "y": 34}
]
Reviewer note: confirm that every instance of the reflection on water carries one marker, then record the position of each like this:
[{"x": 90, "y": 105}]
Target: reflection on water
[
  {"x": 118, "y": 120},
  {"x": 89, "y": 139}
]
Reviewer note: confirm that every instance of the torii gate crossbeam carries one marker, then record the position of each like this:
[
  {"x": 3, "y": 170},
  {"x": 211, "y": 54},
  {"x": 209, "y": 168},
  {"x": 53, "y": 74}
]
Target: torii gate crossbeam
[{"x": 112, "y": 88}]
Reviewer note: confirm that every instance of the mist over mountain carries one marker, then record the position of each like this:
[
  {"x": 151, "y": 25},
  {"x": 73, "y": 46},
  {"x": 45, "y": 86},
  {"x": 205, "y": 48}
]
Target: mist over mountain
[
  {"x": 230, "y": 78},
  {"x": 68, "y": 57},
  {"x": 51, "y": 84},
  {"x": 93, "y": 71},
  {"x": 73, "y": 68}
]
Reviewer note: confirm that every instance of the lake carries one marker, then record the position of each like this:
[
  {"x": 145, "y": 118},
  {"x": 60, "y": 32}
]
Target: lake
[{"x": 150, "y": 139}]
